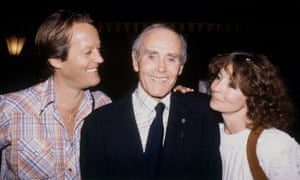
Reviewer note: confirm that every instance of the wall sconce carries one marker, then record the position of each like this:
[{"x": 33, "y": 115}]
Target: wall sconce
[{"x": 15, "y": 44}]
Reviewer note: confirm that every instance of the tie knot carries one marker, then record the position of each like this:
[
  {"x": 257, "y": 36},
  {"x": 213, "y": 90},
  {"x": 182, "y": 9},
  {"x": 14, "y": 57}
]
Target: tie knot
[{"x": 159, "y": 108}]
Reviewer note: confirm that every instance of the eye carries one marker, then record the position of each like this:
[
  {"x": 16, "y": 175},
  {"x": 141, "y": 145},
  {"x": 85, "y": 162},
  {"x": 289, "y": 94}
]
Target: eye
[
  {"x": 172, "y": 59},
  {"x": 151, "y": 57},
  {"x": 88, "y": 52}
]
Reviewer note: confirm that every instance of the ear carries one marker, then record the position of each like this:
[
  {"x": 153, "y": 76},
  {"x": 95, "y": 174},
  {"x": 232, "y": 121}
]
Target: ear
[
  {"x": 180, "y": 69},
  {"x": 135, "y": 63},
  {"x": 55, "y": 62}
]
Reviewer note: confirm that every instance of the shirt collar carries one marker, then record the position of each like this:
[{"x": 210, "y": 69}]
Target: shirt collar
[
  {"x": 48, "y": 94},
  {"x": 143, "y": 98}
]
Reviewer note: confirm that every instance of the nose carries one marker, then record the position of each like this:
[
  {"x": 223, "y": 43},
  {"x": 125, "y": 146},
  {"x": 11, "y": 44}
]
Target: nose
[
  {"x": 214, "y": 85},
  {"x": 161, "y": 65},
  {"x": 98, "y": 57}
]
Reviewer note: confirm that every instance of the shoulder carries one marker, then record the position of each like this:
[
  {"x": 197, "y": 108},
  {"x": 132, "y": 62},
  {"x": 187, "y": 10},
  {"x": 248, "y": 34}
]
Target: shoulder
[
  {"x": 33, "y": 93},
  {"x": 192, "y": 97},
  {"x": 194, "y": 102},
  {"x": 98, "y": 94},
  {"x": 277, "y": 144},
  {"x": 279, "y": 154},
  {"x": 276, "y": 138},
  {"x": 17, "y": 97},
  {"x": 23, "y": 101},
  {"x": 112, "y": 108},
  {"x": 108, "y": 113},
  {"x": 100, "y": 98},
  {"x": 194, "y": 105}
]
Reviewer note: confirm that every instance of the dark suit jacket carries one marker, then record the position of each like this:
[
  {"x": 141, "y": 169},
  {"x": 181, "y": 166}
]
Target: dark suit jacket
[{"x": 111, "y": 146}]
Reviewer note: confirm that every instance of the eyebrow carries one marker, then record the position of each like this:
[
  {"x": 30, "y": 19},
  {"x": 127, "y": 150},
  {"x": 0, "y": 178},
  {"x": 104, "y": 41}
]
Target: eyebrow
[{"x": 147, "y": 51}]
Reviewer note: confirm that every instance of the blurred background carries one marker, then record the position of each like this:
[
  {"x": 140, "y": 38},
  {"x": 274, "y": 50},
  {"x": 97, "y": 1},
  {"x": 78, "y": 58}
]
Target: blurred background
[{"x": 210, "y": 27}]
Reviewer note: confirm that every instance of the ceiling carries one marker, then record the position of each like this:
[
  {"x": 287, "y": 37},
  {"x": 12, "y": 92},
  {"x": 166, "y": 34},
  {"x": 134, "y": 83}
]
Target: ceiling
[{"x": 144, "y": 10}]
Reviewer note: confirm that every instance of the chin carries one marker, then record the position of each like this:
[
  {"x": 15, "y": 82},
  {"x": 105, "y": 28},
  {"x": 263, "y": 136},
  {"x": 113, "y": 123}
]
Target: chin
[
  {"x": 213, "y": 106},
  {"x": 94, "y": 82},
  {"x": 159, "y": 95}
]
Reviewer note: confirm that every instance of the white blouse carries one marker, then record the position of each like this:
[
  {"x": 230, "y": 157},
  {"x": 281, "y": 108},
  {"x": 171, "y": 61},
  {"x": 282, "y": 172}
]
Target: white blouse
[{"x": 278, "y": 154}]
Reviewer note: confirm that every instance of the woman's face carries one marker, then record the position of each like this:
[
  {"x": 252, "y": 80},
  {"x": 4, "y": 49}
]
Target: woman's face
[{"x": 224, "y": 98}]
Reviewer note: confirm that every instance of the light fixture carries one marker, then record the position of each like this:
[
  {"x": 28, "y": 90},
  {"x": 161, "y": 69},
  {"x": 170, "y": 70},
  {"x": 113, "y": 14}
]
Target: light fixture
[{"x": 15, "y": 44}]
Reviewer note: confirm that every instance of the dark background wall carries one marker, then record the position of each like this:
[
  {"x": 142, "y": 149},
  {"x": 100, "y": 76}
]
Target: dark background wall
[{"x": 269, "y": 28}]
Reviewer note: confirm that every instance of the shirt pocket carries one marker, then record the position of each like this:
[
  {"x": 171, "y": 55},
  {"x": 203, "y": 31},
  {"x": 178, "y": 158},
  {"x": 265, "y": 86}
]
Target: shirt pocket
[{"x": 35, "y": 160}]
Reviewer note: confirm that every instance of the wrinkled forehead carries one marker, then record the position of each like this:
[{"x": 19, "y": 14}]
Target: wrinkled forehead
[{"x": 162, "y": 39}]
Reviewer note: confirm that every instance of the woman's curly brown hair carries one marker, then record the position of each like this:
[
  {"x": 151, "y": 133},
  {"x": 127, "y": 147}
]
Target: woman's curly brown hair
[{"x": 261, "y": 82}]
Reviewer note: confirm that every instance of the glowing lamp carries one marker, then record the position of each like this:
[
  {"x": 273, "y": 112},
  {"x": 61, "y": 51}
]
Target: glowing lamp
[{"x": 15, "y": 44}]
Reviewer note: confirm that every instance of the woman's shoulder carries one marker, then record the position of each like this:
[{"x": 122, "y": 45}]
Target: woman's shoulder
[
  {"x": 277, "y": 143},
  {"x": 279, "y": 154},
  {"x": 276, "y": 138}
]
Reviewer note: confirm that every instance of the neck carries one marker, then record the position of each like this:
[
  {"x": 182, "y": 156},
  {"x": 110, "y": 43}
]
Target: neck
[
  {"x": 234, "y": 123},
  {"x": 67, "y": 97}
]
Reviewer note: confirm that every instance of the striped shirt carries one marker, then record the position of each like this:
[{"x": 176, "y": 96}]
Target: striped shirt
[
  {"x": 144, "y": 111},
  {"x": 34, "y": 138}
]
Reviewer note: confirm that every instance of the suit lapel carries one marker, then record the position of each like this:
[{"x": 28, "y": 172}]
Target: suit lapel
[
  {"x": 131, "y": 138},
  {"x": 176, "y": 123}
]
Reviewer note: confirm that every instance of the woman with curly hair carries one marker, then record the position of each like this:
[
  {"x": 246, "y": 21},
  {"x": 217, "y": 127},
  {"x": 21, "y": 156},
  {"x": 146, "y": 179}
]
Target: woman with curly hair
[{"x": 249, "y": 92}]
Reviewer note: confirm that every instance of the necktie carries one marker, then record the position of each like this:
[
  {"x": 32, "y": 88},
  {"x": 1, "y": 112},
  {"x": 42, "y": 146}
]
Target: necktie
[{"x": 154, "y": 142}]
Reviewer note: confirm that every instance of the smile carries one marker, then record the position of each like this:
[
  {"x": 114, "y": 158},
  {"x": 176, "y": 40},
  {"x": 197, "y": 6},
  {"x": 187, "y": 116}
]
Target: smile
[
  {"x": 92, "y": 70},
  {"x": 162, "y": 79}
]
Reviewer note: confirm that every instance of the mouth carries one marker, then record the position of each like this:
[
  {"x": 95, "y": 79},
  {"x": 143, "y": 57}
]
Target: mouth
[
  {"x": 160, "y": 79},
  {"x": 216, "y": 98},
  {"x": 92, "y": 70}
]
